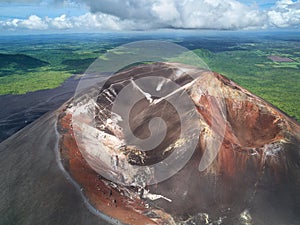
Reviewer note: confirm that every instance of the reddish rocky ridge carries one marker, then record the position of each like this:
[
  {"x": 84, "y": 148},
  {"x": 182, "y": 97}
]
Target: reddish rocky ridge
[
  {"x": 259, "y": 157},
  {"x": 102, "y": 194}
]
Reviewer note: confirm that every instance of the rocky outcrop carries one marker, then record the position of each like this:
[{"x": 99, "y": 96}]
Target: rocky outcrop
[{"x": 243, "y": 168}]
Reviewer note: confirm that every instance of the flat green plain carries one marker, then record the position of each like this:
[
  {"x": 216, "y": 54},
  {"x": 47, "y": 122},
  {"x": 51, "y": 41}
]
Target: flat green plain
[
  {"x": 46, "y": 65},
  {"x": 276, "y": 82}
]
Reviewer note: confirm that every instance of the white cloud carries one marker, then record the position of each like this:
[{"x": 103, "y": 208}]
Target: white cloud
[
  {"x": 152, "y": 14},
  {"x": 285, "y": 13},
  {"x": 101, "y": 21},
  {"x": 165, "y": 11},
  {"x": 97, "y": 21},
  {"x": 33, "y": 23},
  {"x": 216, "y": 14},
  {"x": 87, "y": 22},
  {"x": 60, "y": 23}
]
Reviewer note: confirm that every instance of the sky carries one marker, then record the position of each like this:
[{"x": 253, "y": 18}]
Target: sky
[{"x": 46, "y": 16}]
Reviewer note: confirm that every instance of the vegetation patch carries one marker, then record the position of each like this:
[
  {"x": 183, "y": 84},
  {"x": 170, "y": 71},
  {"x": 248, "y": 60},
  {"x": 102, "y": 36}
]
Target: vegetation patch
[
  {"x": 9, "y": 63},
  {"x": 276, "y": 82},
  {"x": 267, "y": 67}
]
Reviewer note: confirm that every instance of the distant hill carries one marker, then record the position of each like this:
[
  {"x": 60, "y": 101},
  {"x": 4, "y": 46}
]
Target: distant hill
[{"x": 11, "y": 62}]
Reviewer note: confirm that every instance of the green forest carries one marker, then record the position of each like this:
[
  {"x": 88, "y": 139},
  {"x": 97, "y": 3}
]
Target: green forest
[{"x": 27, "y": 68}]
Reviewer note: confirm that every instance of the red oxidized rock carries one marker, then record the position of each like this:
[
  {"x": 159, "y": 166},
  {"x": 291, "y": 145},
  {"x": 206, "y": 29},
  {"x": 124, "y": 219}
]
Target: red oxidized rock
[{"x": 253, "y": 178}]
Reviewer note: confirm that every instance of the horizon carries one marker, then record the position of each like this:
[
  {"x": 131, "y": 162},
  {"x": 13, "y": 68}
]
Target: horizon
[{"x": 154, "y": 32}]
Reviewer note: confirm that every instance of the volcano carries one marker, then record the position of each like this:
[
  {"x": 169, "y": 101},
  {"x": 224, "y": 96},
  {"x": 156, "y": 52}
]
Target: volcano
[{"x": 160, "y": 143}]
